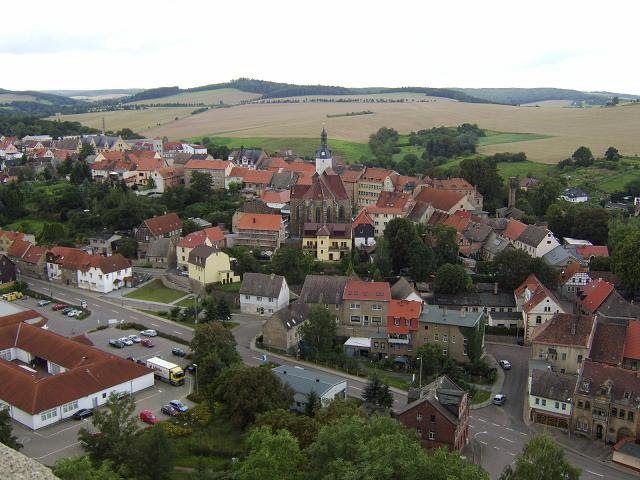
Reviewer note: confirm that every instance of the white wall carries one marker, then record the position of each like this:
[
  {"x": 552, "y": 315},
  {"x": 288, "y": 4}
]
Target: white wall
[
  {"x": 550, "y": 405},
  {"x": 252, "y": 305},
  {"x": 328, "y": 396}
]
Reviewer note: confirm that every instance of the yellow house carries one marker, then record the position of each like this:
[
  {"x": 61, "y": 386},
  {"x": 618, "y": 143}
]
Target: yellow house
[
  {"x": 210, "y": 265},
  {"x": 327, "y": 242}
]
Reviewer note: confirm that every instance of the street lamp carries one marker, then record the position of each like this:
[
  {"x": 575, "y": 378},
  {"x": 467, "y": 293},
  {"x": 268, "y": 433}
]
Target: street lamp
[
  {"x": 195, "y": 366},
  {"x": 420, "y": 374},
  {"x": 195, "y": 306}
]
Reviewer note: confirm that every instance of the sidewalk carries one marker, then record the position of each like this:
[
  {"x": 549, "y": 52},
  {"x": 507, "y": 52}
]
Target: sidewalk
[{"x": 497, "y": 385}]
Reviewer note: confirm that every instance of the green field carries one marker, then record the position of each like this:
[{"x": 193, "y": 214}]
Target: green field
[
  {"x": 27, "y": 225},
  {"x": 155, "y": 291},
  {"x": 494, "y": 138},
  {"x": 351, "y": 152},
  {"x": 596, "y": 179},
  {"x": 523, "y": 169}
]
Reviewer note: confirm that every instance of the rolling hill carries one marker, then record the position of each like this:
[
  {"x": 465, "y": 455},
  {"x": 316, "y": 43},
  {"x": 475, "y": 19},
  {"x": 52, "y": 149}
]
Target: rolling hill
[
  {"x": 36, "y": 103},
  {"x": 521, "y": 96}
]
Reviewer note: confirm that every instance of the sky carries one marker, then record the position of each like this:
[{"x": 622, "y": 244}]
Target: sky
[{"x": 584, "y": 45}]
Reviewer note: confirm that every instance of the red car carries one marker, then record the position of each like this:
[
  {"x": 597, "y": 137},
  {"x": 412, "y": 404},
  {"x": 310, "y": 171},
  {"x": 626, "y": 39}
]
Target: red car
[
  {"x": 147, "y": 416},
  {"x": 59, "y": 306},
  {"x": 147, "y": 343}
]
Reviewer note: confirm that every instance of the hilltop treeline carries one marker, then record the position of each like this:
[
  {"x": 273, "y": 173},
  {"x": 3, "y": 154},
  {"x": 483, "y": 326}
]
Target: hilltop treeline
[
  {"x": 21, "y": 125},
  {"x": 44, "y": 104},
  {"x": 519, "y": 96}
]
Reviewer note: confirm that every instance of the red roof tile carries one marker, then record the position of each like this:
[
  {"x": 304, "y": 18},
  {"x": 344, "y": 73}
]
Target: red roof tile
[
  {"x": 359, "y": 290},
  {"x": 213, "y": 234},
  {"x": 588, "y": 251},
  {"x": 164, "y": 224},
  {"x": 260, "y": 221},
  {"x": 34, "y": 254},
  {"x": 351, "y": 176},
  {"x": 376, "y": 174},
  {"x": 18, "y": 248},
  {"x": 362, "y": 219},
  {"x": 259, "y": 177},
  {"x": 238, "y": 172},
  {"x": 301, "y": 167},
  {"x": 444, "y": 200},
  {"x": 452, "y": 184},
  {"x": 401, "y": 311},
  {"x": 271, "y": 196},
  {"x": 593, "y": 294},
  {"x": 632, "y": 340},
  {"x": 569, "y": 271},
  {"x": 566, "y": 329},
  {"x": 11, "y": 235},
  {"x": 514, "y": 229},
  {"x": 394, "y": 200},
  {"x": 459, "y": 220},
  {"x": 207, "y": 165}
]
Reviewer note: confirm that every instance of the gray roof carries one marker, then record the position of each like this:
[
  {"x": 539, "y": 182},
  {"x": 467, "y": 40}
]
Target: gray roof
[
  {"x": 559, "y": 256},
  {"x": 533, "y": 235},
  {"x": 477, "y": 232},
  {"x": 444, "y": 316},
  {"x": 105, "y": 235},
  {"x": 198, "y": 255},
  {"x": 261, "y": 284},
  {"x": 509, "y": 212},
  {"x": 574, "y": 193},
  {"x": 418, "y": 211},
  {"x": 305, "y": 381},
  {"x": 444, "y": 394},
  {"x": 401, "y": 289},
  {"x": 495, "y": 245},
  {"x": 293, "y": 315},
  {"x": 552, "y": 385},
  {"x": 481, "y": 299},
  {"x": 617, "y": 307},
  {"x": 323, "y": 289},
  {"x": 160, "y": 247},
  {"x": 283, "y": 180}
]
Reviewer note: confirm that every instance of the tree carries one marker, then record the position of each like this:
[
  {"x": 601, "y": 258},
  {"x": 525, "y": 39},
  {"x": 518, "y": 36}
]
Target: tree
[
  {"x": 600, "y": 264},
  {"x": 117, "y": 425},
  {"x": 339, "y": 409},
  {"x": 543, "y": 194},
  {"x": 583, "y": 157},
  {"x": 245, "y": 392},
  {"x": 152, "y": 457},
  {"x": 592, "y": 224},
  {"x": 431, "y": 355},
  {"x": 484, "y": 176},
  {"x": 200, "y": 185},
  {"x": 81, "y": 468},
  {"x": 223, "y": 310},
  {"x": 80, "y": 172},
  {"x": 272, "y": 456},
  {"x": 421, "y": 261},
  {"x": 541, "y": 459},
  {"x": 245, "y": 261},
  {"x": 128, "y": 247},
  {"x": 442, "y": 239},
  {"x": 303, "y": 427},
  {"x": 292, "y": 263},
  {"x": 318, "y": 333},
  {"x": 52, "y": 233},
  {"x": 86, "y": 150},
  {"x": 626, "y": 262},
  {"x": 512, "y": 267},
  {"x": 612, "y": 154},
  {"x": 214, "y": 349},
  {"x": 452, "y": 279},
  {"x": 401, "y": 237},
  {"x": 151, "y": 183},
  {"x": 313, "y": 404},
  {"x": 6, "y": 435},
  {"x": 376, "y": 393},
  {"x": 65, "y": 167}
]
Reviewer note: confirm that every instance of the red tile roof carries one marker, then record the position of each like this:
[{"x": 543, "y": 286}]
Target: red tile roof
[
  {"x": 566, "y": 329},
  {"x": 18, "y": 248},
  {"x": 588, "y": 251},
  {"x": 110, "y": 264},
  {"x": 444, "y": 200},
  {"x": 514, "y": 229},
  {"x": 89, "y": 370},
  {"x": 538, "y": 292},
  {"x": 351, "y": 176},
  {"x": 147, "y": 163},
  {"x": 459, "y": 220},
  {"x": 24, "y": 316},
  {"x": 260, "y": 221},
  {"x": 207, "y": 165},
  {"x": 305, "y": 179},
  {"x": 593, "y": 294},
  {"x": 271, "y": 196},
  {"x": 34, "y": 254},
  {"x": 362, "y": 219},
  {"x": 301, "y": 167},
  {"x": 403, "y": 310},
  {"x": 632, "y": 340},
  {"x": 11, "y": 235},
  {"x": 327, "y": 186},
  {"x": 238, "y": 172},
  {"x": 569, "y": 271},
  {"x": 452, "y": 184},
  {"x": 213, "y": 234},
  {"x": 394, "y": 200},
  {"x": 376, "y": 174},
  {"x": 259, "y": 177},
  {"x": 359, "y": 290},
  {"x": 164, "y": 224}
]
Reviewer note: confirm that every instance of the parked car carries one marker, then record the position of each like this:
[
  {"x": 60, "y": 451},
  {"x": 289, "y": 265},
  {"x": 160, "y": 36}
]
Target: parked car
[
  {"x": 58, "y": 306},
  {"x": 190, "y": 368},
  {"x": 131, "y": 359},
  {"x": 66, "y": 310},
  {"x": 134, "y": 338},
  {"x": 505, "y": 364},
  {"x": 149, "y": 333},
  {"x": 116, "y": 343},
  {"x": 74, "y": 313},
  {"x": 147, "y": 343},
  {"x": 147, "y": 416},
  {"x": 94, "y": 435},
  {"x": 178, "y": 352},
  {"x": 169, "y": 410},
  {"x": 183, "y": 273},
  {"x": 178, "y": 405},
  {"x": 126, "y": 341},
  {"x": 141, "y": 362},
  {"x": 43, "y": 303},
  {"x": 82, "y": 413},
  {"x": 499, "y": 399}
]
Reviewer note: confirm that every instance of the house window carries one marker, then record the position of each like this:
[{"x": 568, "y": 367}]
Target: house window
[
  {"x": 587, "y": 405},
  {"x": 580, "y": 404},
  {"x": 259, "y": 299},
  {"x": 376, "y": 319},
  {"x": 354, "y": 306},
  {"x": 464, "y": 340},
  {"x": 407, "y": 322},
  {"x": 355, "y": 318},
  {"x": 544, "y": 402},
  {"x": 557, "y": 405},
  {"x": 630, "y": 416},
  {"x": 419, "y": 417},
  {"x": 564, "y": 406},
  {"x": 622, "y": 413},
  {"x": 432, "y": 435},
  {"x": 435, "y": 337},
  {"x": 433, "y": 418},
  {"x": 382, "y": 345},
  {"x": 582, "y": 426},
  {"x": 376, "y": 307},
  {"x": 537, "y": 401},
  {"x": 419, "y": 431},
  {"x": 453, "y": 339},
  {"x": 445, "y": 337},
  {"x": 49, "y": 414},
  {"x": 538, "y": 319},
  {"x": 396, "y": 322},
  {"x": 68, "y": 407},
  {"x": 614, "y": 412},
  {"x": 579, "y": 358},
  {"x": 246, "y": 297},
  {"x": 375, "y": 344},
  {"x": 564, "y": 356},
  {"x": 270, "y": 299},
  {"x": 445, "y": 352}
]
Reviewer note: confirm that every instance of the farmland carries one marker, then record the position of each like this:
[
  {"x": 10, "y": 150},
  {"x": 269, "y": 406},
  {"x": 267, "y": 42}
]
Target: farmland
[
  {"x": 228, "y": 96},
  {"x": 558, "y": 131}
]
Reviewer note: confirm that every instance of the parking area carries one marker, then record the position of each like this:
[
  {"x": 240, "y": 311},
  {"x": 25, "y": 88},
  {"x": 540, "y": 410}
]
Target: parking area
[{"x": 61, "y": 439}]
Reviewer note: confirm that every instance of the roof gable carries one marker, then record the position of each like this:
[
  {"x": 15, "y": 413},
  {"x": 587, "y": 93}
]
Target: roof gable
[{"x": 164, "y": 224}]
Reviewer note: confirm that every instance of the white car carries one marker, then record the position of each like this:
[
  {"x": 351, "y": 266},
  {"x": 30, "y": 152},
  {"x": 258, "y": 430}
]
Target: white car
[
  {"x": 149, "y": 333},
  {"x": 74, "y": 313},
  {"x": 499, "y": 399},
  {"x": 126, "y": 341},
  {"x": 135, "y": 338},
  {"x": 505, "y": 364}
]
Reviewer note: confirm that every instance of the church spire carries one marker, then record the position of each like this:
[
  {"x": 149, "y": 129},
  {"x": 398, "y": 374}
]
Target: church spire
[{"x": 323, "y": 137}]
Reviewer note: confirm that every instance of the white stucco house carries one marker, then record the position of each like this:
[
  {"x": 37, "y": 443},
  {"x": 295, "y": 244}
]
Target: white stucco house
[
  {"x": 262, "y": 294},
  {"x": 537, "y": 303},
  {"x": 537, "y": 241},
  {"x": 550, "y": 396}
]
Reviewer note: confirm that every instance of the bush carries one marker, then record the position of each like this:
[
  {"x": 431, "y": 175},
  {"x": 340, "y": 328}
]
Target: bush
[{"x": 489, "y": 330}]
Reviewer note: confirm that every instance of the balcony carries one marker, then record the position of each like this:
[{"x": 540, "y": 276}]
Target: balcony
[
  {"x": 399, "y": 339},
  {"x": 337, "y": 248}
]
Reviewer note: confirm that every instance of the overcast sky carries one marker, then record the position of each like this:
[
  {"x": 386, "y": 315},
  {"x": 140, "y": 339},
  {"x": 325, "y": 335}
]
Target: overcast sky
[{"x": 585, "y": 45}]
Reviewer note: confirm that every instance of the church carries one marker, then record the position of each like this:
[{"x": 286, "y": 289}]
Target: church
[{"x": 325, "y": 200}]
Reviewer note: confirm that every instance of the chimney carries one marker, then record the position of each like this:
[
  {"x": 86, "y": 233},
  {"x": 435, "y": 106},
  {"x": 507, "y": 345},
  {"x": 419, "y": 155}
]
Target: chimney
[
  {"x": 317, "y": 380},
  {"x": 495, "y": 288},
  {"x": 284, "y": 372}
]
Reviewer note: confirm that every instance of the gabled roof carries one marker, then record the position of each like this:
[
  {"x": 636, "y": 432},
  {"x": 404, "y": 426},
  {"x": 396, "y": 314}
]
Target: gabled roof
[
  {"x": 163, "y": 224},
  {"x": 569, "y": 271},
  {"x": 514, "y": 229},
  {"x": 452, "y": 184},
  {"x": 200, "y": 253},
  {"x": 623, "y": 386},
  {"x": 566, "y": 329},
  {"x": 69, "y": 258},
  {"x": 260, "y": 177},
  {"x": 327, "y": 186},
  {"x": 537, "y": 290},
  {"x": 593, "y": 294},
  {"x": 608, "y": 344},
  {"x": 459, "y": 220},
  {"x": 374, "y": 174},
  {"x": 360, "y": 290},
  {"x": 444, "y": 395},
  {"x": 362, "y": 218},
  {"x": 552, "y": 385},
  {"x": 632, "y": 341},
  {"x": 11, "y": 235},
  {"x": 404, "y": 309},
  {"x": 262, "y": 285},
  {"x": 351, "y": 175},
  {"x": 207, "y": 165},
  {"x": 394, "y": 200},
  {"x": 272, "y": 196},
  {"x": 401, "y": 289},
  {"x": 294, "y": 315},
  {"x": 559, "y": 256},
  {"x": 303, "y": 382},
  {"x": 260, "y": 221},
  {"x": 616, "y": 307},
  {"x": 444, "y": 200},
  {"x": 533, "y": 235},
  {"x": 324, "y": 289},
  {"x": 18, "y": 248},
  {"x": 239, "y": 172},
  {"x": 588, "y": 251},
  {"x": 332, "y": 230},
  {"x": 110, "y": 264}
]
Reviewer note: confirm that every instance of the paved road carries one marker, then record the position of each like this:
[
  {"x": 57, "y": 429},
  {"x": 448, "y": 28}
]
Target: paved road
[{"x": 498, "y": 433}]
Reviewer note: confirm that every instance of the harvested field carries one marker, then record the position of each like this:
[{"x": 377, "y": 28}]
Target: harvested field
[
  {"x": 229, "y": 96},
  {"x": 136, "y": 120},
  {"x": 597, "y": 128}
]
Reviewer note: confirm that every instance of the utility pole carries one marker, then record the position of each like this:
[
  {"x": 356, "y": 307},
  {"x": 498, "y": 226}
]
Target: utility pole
[{"x": 420, "y": 374}]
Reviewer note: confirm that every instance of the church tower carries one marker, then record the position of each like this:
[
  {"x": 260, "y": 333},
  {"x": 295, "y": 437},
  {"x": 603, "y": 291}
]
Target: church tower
[{"x": 324, "y": 159}]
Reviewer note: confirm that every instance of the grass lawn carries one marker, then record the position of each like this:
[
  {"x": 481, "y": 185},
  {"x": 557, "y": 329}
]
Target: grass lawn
[
  {"x": 523, "y": 169},
  {"x": 480, "y": 396},
  {"x": 494, "y": 138},
  {"x": 187, "y": 302},
  {"x": 351, "y": 152},
  {"x": 228, "y": 287},
  {"x": 155, "y": 291},
  {"x": 27, "y": 225}
]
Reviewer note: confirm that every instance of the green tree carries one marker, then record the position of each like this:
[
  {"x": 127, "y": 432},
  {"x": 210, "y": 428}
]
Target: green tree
[
  {"x": 339, "y": 409},
  {"x": 401, "y": 237},
  {"x": 303, "y": 427},
  {"x": 244, "y": 392},
  {"x": 543, "y": 194},
  {"x": 432, "y": 359},
  {"x": 117, "y": 425},
  {"x": 612, "y": 154},
  {"x": 512, "y": 267},
  {"x": 152, "y": 457},
  {"x": 318, "y": 332},
  {"x": 244, "y": 260},
  {"x": 600, "y": 264},
  {"x": 80, "y": 172},
  {"x": 223, "y": 310},
  {"x": 485, "y": 177},
  {"x": 128, "y": 247},
  {"x": 52, "y": 233},
  {"x": 452, "y": 279},
  {"x": 541, "y": 459},
  {"x": 292, "y": 263},
  {"x": 621, "y": 228},
  {"x": 85, "y": 151},
  {"x": 592, "y": 224},
  {"x": 6, "y": 434},
  {"x": 421, "y": 261},
  {"x": 626, "y": 262},
  {"x": 442, "y": 239},
  {"x": 313, "y": 404},
  {"x": 66, "y": 166},
  {"x": 583, "y": 157},
  {"x": 81, "y": 468},
  {"x": 272, "y": 456},
  {"x": 201, "y": 185},
  {"x": 376, "y": 393},
  {"x": 214, "y": 349}
]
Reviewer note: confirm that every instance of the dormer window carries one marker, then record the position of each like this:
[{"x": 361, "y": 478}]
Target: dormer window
[
  {"x": 585, "y": 386},
  {"x": 627, "y": 395}
]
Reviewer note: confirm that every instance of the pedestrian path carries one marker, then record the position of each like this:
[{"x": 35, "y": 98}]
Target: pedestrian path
[
  {"x": 497, "y": 385},
  {"x": 181, "y": 299}
]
